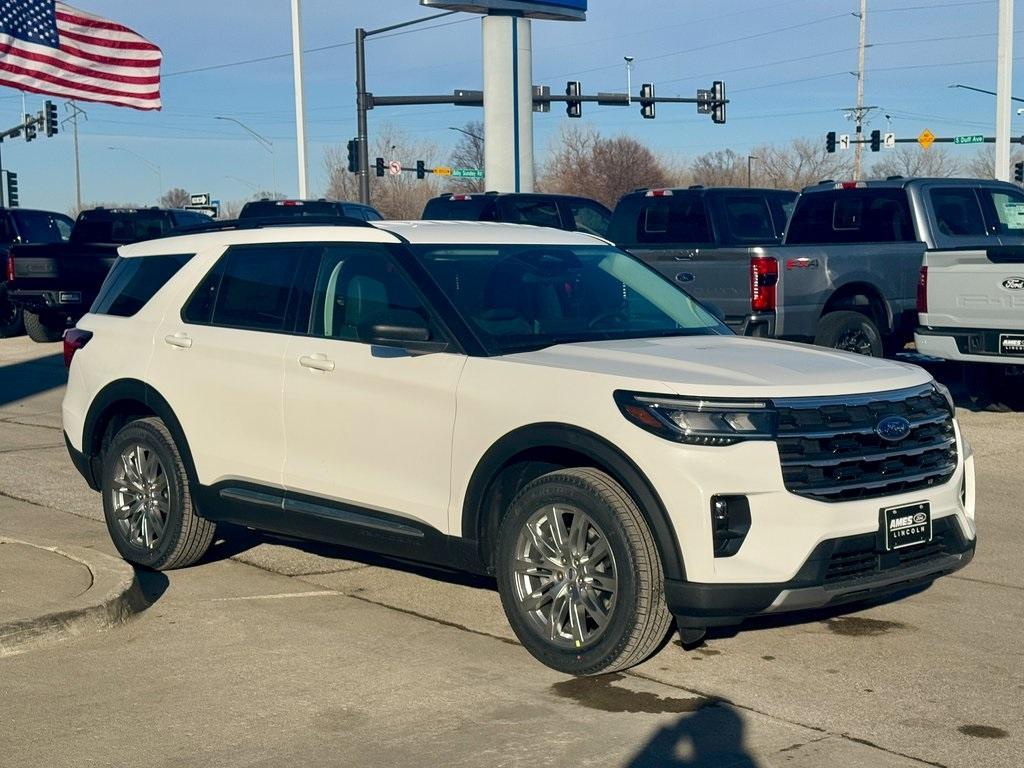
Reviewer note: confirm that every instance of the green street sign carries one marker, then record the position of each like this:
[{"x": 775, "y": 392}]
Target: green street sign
[
  {"x": 467, "y": 173},
  {"x": 976, "y": 138}
]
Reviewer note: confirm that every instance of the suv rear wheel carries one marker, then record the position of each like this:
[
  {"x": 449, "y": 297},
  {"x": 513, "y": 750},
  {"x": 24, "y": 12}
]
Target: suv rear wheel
[
  {"x": 147, "y": 502},
  {"x": 849, "y": 332},
  {"x": 40, "y": 330},
  {"x": 579, "y": 574}
]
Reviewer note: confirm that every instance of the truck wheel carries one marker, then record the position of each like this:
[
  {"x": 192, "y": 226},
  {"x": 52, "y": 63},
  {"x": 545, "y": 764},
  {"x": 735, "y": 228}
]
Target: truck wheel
[
  {"x": 40, "y": 331},
  {"x": 579, "y": 574},
  {"x": 147, "y": 502},
  {"x": 849, "y": 332},
  {"x": 11, "y": 323}
]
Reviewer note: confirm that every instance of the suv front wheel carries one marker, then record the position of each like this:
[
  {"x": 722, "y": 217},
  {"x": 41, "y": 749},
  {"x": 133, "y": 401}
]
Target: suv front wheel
[
  {"x": 579, "y": 574},
  {"x": 147, "y": 502}
]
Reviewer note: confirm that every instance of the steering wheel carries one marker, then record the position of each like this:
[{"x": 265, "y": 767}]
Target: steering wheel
[{"x": 618, "y": 315}]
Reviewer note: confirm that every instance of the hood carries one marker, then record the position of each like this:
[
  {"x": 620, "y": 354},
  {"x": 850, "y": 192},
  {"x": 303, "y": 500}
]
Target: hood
[{"x": 730, "y": 366}]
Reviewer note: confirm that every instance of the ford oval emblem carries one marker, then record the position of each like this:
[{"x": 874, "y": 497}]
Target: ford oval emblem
[
  {"x": 686, "y": 277},
  {"x": 892, "y": 428},
  {"x": 920, "y": 518},
  {"x": 1014, "y": 283}
]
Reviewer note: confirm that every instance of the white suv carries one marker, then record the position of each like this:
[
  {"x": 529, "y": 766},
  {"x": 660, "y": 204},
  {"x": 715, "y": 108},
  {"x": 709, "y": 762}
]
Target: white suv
[{"x": 516, "y": 401}]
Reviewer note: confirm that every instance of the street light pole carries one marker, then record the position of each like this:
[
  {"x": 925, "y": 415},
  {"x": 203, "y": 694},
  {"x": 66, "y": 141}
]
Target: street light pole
[
  {"x": 263, "y": 141},
  {"x": 152, "y": 166},
  {"x": 1004, "y": 78},
  {"x": 300, "y": 101},
  {"x": 364, "y": 99},
  {"x": 750, "y": 159}
]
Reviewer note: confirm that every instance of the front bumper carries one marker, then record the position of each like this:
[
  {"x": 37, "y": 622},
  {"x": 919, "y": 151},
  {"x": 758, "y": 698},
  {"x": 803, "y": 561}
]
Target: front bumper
[
  {"x": 839, "y": 571},
  {"x": 977, "y": 345}
]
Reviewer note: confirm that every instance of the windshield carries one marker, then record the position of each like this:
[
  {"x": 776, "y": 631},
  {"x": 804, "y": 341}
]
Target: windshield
[
  {"x": 120, "y": 226},
  {"x": 522, "y": 297}
]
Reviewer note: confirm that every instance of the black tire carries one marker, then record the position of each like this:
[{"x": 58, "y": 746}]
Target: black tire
[
  {"x": 185, "y": 536},
  {"x": 637, "y": 619},
  {"x": 41, "y": 331},
  {"x": 850, "y": 332},
  {"x": 11, "y": 322}
]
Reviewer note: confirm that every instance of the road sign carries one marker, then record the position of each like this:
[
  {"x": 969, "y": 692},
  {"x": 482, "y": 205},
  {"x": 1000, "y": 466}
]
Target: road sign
[
  {"x": 210, "y": 210},
  {"x": 844, "y": 141},
  {"x": 202, "y": 199},
  {"x": 889, "y": 140},
  {"x": 467, "y": 173},
  {"x": 926, "y": 138},
  {"x": 975, "y": 138},
  {"x": 394, "y": 167},
  {"x": 442, "y": 170}
]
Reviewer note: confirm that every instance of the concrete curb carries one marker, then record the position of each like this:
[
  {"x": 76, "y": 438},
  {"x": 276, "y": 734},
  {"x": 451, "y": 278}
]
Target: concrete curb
[{"x": 112, "y": 597}]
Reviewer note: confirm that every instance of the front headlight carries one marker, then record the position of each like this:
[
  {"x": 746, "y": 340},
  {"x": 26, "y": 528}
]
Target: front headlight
[{"x": 699, "y": 422}]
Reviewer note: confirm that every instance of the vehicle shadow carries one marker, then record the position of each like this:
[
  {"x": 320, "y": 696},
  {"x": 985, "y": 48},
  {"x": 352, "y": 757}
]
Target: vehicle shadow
[
  {"x": 979, "y": 386},
  {"x": 234, "y": 540},
  {"x": 31, "y": 377},
  {"x": 711, "y": 737},
  {"x": 152, "y": 585}
]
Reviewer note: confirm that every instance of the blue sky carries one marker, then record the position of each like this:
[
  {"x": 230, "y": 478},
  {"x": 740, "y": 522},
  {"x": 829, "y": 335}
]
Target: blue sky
[{"x": 786, "y": 64}]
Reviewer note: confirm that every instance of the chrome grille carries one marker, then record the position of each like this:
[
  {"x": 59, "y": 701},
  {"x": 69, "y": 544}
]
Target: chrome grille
[{"x": 830, "y": 450}]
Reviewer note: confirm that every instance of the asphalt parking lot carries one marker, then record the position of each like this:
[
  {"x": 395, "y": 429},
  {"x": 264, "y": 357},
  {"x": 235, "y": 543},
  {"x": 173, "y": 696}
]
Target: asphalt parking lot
[{"x": 272, "y": 651}]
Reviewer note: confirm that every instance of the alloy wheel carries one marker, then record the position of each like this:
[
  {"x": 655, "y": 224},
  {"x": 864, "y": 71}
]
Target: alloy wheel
[{"x": 141, "y": 496}]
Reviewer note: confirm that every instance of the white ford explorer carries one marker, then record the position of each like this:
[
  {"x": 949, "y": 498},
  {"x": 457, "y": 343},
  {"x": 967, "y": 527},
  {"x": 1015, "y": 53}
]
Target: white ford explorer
[{"x": 515, "y": 401}]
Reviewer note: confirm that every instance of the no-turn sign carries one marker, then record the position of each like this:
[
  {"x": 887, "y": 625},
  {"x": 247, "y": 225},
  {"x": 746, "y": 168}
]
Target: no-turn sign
[{"x": 394, "y": 167}]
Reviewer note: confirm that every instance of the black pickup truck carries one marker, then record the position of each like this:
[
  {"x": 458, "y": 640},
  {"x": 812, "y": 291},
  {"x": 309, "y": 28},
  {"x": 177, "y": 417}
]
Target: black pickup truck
[
  {"x": 17, "y": 226},
  {"x": 55, "y": 284}
]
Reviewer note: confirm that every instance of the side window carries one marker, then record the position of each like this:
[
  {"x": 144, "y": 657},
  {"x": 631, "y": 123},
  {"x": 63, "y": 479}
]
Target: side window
[
  {"x": 63, "y": 225},
  {"x": 748, "y": 218},
  {"x": 1009, "y": 208},
  {"x": 540, "y": 213},
  {"x": 133, "y": 282},
  {"x": 251, "y": 287},
  {"x": 587, "y": 217},
  {"x": 359, "y": 287},
  {"x": 676, "y": 219},
  {"x": 957, "y": 213}
]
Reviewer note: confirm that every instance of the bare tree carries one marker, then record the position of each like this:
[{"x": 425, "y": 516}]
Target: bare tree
[
  {"x": 908, "y": 160},
  {"x": 469, "y": 153},
  {"x": 231, "y": 209},
  {"x": 175, "y": 198},
  {"x": 582, "y": 162},
  {"x": 983, "y": 164},
  {"x": 723, "y": 168},
  {"x": 396, "y": 197},
  {"x": 802, "y": 163}
]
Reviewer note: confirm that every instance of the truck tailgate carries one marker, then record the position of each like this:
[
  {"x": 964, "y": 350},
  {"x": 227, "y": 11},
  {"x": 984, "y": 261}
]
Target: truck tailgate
[
  {"x": 975, "y": 289},
  {"x": 60, "y": 266}
]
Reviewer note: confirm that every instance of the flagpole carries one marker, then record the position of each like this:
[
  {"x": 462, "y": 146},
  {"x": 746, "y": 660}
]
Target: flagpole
[{"x": 300, "y": 102}]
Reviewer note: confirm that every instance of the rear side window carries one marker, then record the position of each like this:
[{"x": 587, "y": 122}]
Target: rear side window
[
  {"x": 957, "y": 212},
  {"x": 681, "y": 218},
  {"x": 748, "y": 218},
  {"x": 589, "y": 218},
  {"x": 1009, "y": 208},
  {"x": 540, "y": 213},
  {"x": 133, "y": 282},
  {"x": 461, "y": 208},
  {"x": 121, "y": 226},
  {"x": 852, "y": 216},
  {"x": 251, "y": 287},
  {"x": 41, "y": 226}
]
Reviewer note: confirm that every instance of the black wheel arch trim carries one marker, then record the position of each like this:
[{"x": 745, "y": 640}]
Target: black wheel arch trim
[
  {"x": 124, "y": 391},
  {"x": 606, "y": 455}
]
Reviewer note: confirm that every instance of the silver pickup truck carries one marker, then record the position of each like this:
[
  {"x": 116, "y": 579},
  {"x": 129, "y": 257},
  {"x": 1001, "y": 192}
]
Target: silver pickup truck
[{"x": 844, "y": 275}]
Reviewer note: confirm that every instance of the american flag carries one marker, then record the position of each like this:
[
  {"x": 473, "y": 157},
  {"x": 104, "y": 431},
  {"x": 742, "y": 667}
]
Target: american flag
[{"x": 49, "y": 47}]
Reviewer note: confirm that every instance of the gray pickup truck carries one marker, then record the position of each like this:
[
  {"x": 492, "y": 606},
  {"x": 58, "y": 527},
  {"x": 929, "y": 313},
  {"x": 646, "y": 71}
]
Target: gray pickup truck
[{"x": 844, "y": 275}]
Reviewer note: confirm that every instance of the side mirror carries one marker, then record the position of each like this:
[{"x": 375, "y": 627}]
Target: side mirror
[{"x": 402, "y": 327}]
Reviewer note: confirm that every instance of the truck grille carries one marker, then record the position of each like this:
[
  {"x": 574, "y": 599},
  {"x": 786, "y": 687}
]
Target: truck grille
[{"x": 830, "y": 450}]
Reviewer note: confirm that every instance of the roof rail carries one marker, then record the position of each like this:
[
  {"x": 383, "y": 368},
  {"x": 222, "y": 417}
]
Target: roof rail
[
  {"x": 262, "y": 222},
  {"x": 894, "y": 177}
]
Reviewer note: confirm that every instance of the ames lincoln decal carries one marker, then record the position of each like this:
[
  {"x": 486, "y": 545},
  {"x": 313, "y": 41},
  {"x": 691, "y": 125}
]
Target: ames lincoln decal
[{"x": 1014, "y": 283}]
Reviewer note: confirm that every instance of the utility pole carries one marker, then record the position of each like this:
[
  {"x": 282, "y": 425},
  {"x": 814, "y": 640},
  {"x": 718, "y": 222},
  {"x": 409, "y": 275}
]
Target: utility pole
[
  {"x": 859, "y": 111},
  {"x": 1004, "y": 77},
  {"x": 300, "y": 101},
  {"x": 75, "y": 111}
]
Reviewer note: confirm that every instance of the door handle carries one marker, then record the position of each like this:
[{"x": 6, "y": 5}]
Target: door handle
[
  {"x": 180, "y": 340},
  {"x": 686, "y": 255},
  {"x": 316, "y": 362}
]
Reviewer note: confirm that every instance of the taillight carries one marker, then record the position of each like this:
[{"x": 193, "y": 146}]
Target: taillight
[
  {"x": 10, "y": 267},
  {"x": 764, "y": 276},
  {"x": 922, "y": 291},
  {"x": 74, "y": 340}
]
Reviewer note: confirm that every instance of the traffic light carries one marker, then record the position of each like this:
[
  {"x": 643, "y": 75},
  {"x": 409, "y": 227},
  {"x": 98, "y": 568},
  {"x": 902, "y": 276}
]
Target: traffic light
[
  {"x": 573, "y": 106},
  {"x": 647, "y": 101},
  {"x": 12, "y": 190},
  {"x": 1018, "y": 171},
  {"x": 876, "y": 141},
  {"x": 421, "y": 169},
  {"x": 353, "y": 156},
  {"x": 830, "y": 141},
  {"x": 30, "y": 128},
  {"x": 718, "y": 96},
  {"x": 50, "y": 118},
  {"x": 380, "y": 166}
]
